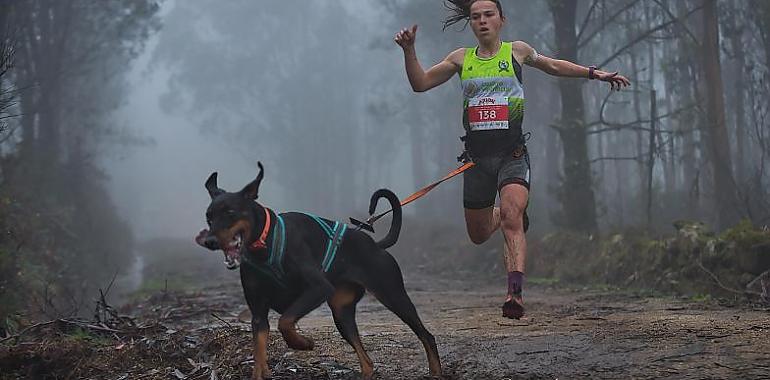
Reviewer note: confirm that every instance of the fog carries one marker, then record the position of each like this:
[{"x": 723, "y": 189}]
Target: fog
[
  {"x": 159, "y": 186},
  {"x": 112, "y": 116}
]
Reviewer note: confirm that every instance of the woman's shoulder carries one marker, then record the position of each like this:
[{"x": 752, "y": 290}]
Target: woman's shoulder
[
  {"x": 520, "y": 45},
  {"x": 457, "y": 56}
]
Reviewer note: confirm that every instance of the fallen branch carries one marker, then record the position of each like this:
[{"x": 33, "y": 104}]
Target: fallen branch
[
  {"x": 764, "y": 283},
  {"x": 463, "y": 308},
  {"x": 678, "y": 355},
  {"x": 222, "y": 320},
  {"x": 532, "y": 352},
  {"x": 22, "y": 332},
  {"x": 512, "y": 324},
  {"x": 84, "y": 325},
  {"x": 725, "y": 366},
  {"x": 590, "y": 319},
  {"x": 727, "y": 288}
]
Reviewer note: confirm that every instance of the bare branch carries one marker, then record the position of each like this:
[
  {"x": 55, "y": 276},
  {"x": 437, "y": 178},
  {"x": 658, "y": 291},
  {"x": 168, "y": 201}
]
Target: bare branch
[
  {"x": 614, "y": 15},
  {"x": 634, "y": 125},
  {"x": 9, "y": 135},
  {"x": 683, "y": 25},
  {"x": 619, "y": 158},
  {"x": 644, "y": 35},
  {"x": 585, "y": 20}
]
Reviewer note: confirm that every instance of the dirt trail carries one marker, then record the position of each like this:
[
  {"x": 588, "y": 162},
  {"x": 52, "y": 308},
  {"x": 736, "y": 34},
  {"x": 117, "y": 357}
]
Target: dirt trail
[{"x": 567, "y": 334}]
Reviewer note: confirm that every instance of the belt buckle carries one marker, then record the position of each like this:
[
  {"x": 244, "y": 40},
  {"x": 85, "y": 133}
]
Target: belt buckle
[{"x": 464, "y": 157}]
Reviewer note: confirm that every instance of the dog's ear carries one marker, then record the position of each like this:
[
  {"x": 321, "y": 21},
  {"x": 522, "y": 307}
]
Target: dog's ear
[
  {"x": 251, "y": 191},
  {"x": 211, "y": 186}
]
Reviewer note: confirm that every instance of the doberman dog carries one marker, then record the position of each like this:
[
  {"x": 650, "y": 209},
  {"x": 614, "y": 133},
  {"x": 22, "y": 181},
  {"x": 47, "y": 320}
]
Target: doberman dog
[{"x": 304, "y": 277}]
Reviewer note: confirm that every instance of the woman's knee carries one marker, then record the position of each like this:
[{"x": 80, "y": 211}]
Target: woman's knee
[
  {"x": 477, "y": 236},
  {"x": 480, "y": 224},
  {"x": 512, "y": 219}
]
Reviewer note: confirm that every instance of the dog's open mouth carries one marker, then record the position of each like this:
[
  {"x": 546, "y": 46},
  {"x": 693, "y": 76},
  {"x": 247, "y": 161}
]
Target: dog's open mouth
[{"x": 233, "y": 251}]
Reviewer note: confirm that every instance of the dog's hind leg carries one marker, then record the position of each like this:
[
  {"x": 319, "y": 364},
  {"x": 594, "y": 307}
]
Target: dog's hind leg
[
  {"x": 388, "y": 288},
  {"x": 343, "y": 306},
  {"x": 317, "y": 291}
]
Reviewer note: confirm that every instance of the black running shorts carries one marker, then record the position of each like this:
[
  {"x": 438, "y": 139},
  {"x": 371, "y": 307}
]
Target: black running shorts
[{"x": 483, "y": 181}]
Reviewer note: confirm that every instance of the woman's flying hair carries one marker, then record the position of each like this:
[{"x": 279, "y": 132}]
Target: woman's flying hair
[{"x": 461, "y": 10}]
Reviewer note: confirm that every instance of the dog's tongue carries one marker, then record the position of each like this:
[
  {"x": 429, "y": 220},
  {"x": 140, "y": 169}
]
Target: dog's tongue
[{"x": 201, "y": 238}]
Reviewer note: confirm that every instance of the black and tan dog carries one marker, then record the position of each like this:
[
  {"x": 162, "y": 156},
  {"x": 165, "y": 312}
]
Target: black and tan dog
[{"x": 295, "y": 283}]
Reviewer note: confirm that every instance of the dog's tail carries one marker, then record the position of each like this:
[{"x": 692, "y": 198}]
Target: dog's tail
[{"x": 395, "y": 225}]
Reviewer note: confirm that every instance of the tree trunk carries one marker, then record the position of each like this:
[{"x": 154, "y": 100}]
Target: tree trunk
[
  {"x": 723, "y": 181},
  {"x": 639, "y": 136},
  {"x": 577, "y": 196},
  {"x": 685, "y": 83},
  {"x": 669, "y": 164},
  {"x": 739, "y": 72}
]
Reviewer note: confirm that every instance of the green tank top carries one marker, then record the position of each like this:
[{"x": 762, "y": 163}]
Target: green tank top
[{"x": 493, "y": 101}]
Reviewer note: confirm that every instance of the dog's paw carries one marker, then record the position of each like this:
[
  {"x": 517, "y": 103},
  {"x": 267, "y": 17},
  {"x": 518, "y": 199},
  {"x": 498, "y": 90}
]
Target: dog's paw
[
  {"x": 260, "y": 373},
  {"x": 367, "y": 376},
  {"x": 299, "y": 342}
]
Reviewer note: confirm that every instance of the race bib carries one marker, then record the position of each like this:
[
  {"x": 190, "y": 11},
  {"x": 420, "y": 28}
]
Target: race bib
[{"x": 486, "y": 113}]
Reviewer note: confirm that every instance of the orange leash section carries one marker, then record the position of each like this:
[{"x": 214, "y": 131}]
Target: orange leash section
[{"x": 420, "y": 193}]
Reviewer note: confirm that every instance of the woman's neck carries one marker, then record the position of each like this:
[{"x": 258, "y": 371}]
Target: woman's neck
[{"x": 488, "y": 48}]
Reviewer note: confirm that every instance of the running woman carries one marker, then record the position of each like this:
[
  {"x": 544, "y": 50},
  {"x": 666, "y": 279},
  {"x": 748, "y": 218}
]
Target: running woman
[{"x": 493, "y": 111}]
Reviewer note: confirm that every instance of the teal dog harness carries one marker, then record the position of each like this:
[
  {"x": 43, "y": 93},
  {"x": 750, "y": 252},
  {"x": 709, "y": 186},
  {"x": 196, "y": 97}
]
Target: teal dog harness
[
  {"x": 272, "y": 268},
  {"x": 335, "y": 235}
]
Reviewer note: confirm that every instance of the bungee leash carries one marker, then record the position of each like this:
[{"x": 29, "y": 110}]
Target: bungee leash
[{"x": 367, "y": 225}]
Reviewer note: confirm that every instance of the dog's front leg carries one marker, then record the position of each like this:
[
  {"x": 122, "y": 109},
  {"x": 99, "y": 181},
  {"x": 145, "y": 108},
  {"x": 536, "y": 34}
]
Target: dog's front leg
[
  {"x": 317, "y": 291},
  {"x": 259, "y": 333},
  {"x": 260, "y": 326}
]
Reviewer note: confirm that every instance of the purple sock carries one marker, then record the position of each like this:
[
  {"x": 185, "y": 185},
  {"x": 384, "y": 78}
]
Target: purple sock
[{"x": 515, "y": 282}]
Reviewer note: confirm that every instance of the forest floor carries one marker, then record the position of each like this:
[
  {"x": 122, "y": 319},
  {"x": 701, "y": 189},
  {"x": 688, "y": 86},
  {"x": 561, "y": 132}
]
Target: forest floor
[{"x": 567, "y": 333}]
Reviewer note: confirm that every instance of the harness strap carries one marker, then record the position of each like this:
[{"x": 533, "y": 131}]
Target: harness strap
[
  {"x": 279, "y": 243},
  {"x": 324, "y": 226},
  {"x": 273, "y": 267},
  {"x": 334, "y": 243},
  {"x": 335, "y": 235}
]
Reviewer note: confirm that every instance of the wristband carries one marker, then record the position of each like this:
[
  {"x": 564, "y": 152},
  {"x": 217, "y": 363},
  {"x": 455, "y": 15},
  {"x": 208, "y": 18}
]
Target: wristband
[{"x": 591, "y": 70}]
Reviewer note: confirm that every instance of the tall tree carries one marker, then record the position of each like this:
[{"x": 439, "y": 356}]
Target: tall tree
[
  {"x": 576, "y": 193},
  {"x": 721, "y": 166},
  {"x": 733, "y": 31},
  {"x": 70, "y": 64}
]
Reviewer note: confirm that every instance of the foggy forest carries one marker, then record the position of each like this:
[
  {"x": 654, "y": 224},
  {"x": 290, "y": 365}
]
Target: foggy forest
[{"x": 648, "y": 248}]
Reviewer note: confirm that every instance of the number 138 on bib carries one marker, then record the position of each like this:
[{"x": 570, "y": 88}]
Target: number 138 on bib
[{"x": 488, "y": 113}]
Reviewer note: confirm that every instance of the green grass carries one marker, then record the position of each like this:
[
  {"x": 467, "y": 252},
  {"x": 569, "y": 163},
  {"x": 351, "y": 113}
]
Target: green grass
[
  {"x": 547, "y": 281},
  {"x": 83, "y": 335},
  {"x": 701, "y": 297}
]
